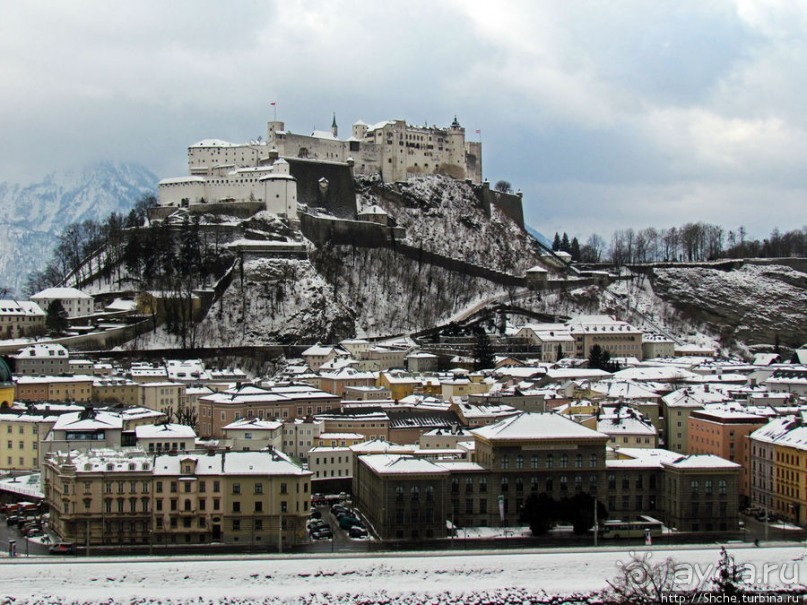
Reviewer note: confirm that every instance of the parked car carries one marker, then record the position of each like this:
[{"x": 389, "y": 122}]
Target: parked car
[
  {"x": 338, "y": 508},
  {"x": 13, "y": 520},
  {"x": 322, "y": 532},
  {"x": 357, "y": 532},
  {"x": 315, "y": 514},
  {"x": 316, "y": 524},
  {"x": 62, "y": 548},
  {"x": 34, "y": 532},
  {"x": 347, "y": 522}
]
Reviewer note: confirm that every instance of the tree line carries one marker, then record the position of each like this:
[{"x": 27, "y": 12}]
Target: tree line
[
  {"x": 156, "y": 259},
  {"x": 691, "y": 242}
]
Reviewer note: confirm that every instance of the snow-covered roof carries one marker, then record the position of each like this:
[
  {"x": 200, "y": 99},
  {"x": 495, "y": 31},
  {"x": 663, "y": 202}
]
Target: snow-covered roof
[
  {"x": 88, "y": 420},
  {"x": 182, "y": 179},
  {"x": 261, "y": 463},
  {"x": 396, "y": 464},
  {"x": 253, "y": 424},
  {"x": 165, "y": 431},
  {"x": 373, "y": 210},
  {"x": 616, "y": 425},
  {"x": 377, "y": 446},
  {"x": 70, "y": 293},
  {"x": 213, "y": 143},
  {"x": 701, "y": 461},
  {"x": 20, "y": 307},
  {"x": 533, "y": 426}
]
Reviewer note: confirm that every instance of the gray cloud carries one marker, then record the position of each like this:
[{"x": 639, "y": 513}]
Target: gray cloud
[{"x": 606, "y": 114}]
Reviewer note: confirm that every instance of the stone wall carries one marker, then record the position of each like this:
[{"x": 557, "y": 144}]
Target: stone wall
[{"x": 340, "y": 197}]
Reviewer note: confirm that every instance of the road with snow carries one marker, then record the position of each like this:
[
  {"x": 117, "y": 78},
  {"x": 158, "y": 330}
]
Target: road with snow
[{"x": 343, "y": 578}]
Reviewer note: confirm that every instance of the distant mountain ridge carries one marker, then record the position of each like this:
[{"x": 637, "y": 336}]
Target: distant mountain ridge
[{"x": 35, "y": 214}]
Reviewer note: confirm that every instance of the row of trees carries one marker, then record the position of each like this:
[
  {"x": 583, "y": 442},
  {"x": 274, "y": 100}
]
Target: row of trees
[
  {"x": 690, "y": 242},
  {"x": 89, "y": 247}
]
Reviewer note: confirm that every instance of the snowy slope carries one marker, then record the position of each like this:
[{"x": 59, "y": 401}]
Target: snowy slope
[
  {"x": 443, "y": 216},
  {"x": 34, "y": 215},
  {"x": 473, "y": 578}
]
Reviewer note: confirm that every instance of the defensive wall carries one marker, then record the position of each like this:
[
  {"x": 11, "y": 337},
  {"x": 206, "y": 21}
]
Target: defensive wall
[
  {"x": 322, "y": 230},
  {"x": 339, "y": 197}
]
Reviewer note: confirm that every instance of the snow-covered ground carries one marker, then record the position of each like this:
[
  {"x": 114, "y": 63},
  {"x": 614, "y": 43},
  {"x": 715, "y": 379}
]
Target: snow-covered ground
[{"x": 391, "y": 578}]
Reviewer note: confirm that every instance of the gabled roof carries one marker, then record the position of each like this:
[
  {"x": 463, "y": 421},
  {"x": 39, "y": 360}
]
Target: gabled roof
[{"x": 536, "y": 426}]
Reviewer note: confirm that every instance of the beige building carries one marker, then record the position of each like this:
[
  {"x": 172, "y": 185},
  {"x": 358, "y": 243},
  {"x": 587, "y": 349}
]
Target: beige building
[
  {"x": 299, "y": 435},
  {"x": 20, "y": 318},
  {"x": 20, "y": 438},
  {"x": 126, "y": 497},
  {"x": 162, "y": 396},
  {"x": 252, "y": 434},
  {"x": 619, "y": 338}
]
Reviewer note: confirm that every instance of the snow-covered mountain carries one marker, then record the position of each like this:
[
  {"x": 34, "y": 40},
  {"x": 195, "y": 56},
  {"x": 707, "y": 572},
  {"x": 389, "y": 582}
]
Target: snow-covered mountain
[{"x": 34, "y": 215}]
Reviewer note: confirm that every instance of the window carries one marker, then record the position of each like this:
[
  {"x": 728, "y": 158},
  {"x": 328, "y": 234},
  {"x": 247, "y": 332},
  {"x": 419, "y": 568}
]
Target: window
[
  {"x": 505, "y": 484},
  {"x": 592, "y": 461},
  {"x": 284, "y": 488},
  {"x": 258, "y": 506},
  {"x": 236, "y": 507},
  {"x": 564, "y": 460},
  {"x": 202, "y": 487},
  {"x": 236, "y": 488},
  {"x": 415, "y": 491},
  {"x": 284, "y": 506},
  {"x": 259, "y": 488},
  {"x": 707, "y": 487},
  {"x": 519, "y": 484},
  {"x": 564, "y": 483},
  {"x": 578, "y": 461},
  {"x": 505, "y": 462},
  {"x": 519, "y": 461},
  {"x": 721, "y": 487},
  {"x": 216, "y": 486},
  {"x": 399, "y": 493},
  {"x": 469, "y": 485},
  {"x": 550, "y": 462},
  {"x": 534, "y": 461},
  {"x": 430, "y": 493},
  {"x": 236, "y": 525},
  {"x": 483, "y": 485},
  {"x": 611, "y": 481}
]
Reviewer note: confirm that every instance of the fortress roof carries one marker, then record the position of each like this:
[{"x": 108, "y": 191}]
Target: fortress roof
[{"x": 214, "y": 143}]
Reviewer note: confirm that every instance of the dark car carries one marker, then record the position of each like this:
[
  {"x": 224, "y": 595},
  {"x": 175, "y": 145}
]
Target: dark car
[
  {"x": 62, "y": 548},
  {"x": 322, "y": 532},
  {"x": 14, "y": 520},
  {"x": 346, "y": 522},
  {"x": 315, "y": 514},
  {"x": 357, "y": 532},
  {"x": 338, "y": 508}
]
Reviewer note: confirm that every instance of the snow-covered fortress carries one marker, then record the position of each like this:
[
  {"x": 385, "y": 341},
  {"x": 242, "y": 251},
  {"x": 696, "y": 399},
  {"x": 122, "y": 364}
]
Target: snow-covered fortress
[{"x": 256, "y": 171}]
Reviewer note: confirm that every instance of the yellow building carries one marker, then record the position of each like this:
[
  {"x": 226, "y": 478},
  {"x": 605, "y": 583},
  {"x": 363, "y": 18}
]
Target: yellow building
[
  {"x": 6, "y": 386},
  {"x": 20, "y": 437},
  {"x": 790, "y": 475},
  {"x": 116, "y": 390},
  {"x": 400, "y": 384}
]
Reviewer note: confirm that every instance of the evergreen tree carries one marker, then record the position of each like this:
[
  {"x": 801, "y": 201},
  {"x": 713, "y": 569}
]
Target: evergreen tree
[
  {"x": 483, "y": 351},
  {"x": 556, "y": 243},
  {"x": 575, "y": 250},
  {"x": 56, "y": 318},
  {"x": 565, "y": 246}
]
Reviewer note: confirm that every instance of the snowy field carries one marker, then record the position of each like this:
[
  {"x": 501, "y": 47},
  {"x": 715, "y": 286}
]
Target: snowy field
[{"x": 479, "y": 577}]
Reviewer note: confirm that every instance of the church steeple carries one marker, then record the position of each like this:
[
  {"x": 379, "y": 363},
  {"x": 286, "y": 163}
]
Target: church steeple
[{"x": 334, "y": 128}]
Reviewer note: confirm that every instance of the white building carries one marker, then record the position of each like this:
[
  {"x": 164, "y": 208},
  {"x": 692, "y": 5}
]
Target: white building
[
  {"x": 251, "y": 434},
  {"x": 75, "y": 302},
  {"x": 164, "y": 438},
  {"x": 270, "y": 185}
]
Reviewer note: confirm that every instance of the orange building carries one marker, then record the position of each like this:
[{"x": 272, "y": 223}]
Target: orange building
[{"x": 724, "y": 432}]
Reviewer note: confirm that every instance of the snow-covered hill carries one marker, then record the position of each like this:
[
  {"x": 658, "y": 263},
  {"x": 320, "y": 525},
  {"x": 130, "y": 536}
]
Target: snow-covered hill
[{"x": 34, "y": 215}]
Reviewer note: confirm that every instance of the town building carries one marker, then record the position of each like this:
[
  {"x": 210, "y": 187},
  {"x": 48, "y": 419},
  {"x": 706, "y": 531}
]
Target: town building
[
  {"x": 42, "y": 359},
  {"x": 619, "y": 338},
  {"x": 52, "y": 388},
  {"x": 20, "y": 318},
  {"x": 253, "y": 434},
  {"x": 75, "y": 302},
  {"x": 165, "y": 438},
  {"x": 128, "y": 497}
]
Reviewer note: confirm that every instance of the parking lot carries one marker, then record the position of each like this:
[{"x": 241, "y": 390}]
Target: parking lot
[
  {"x": 15, "y": 524},
  {"x": 337, "y": 527}
]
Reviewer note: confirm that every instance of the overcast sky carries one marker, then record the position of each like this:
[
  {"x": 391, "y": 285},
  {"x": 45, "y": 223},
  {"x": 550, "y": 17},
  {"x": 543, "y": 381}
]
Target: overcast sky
[{"x": 606, "y": 114}]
